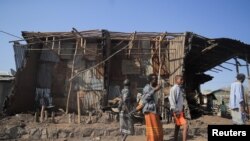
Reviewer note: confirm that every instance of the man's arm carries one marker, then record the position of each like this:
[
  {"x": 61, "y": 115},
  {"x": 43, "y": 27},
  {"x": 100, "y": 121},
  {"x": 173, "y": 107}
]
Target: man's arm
[{"x": 240, "y": 97}]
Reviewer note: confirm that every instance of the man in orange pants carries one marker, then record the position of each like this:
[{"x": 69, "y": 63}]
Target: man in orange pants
[{"x": 154, "y": 130}]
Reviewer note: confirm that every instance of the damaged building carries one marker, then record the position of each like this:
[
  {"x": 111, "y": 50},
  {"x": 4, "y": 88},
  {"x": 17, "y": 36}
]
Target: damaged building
[{"x": 60, "y": 64}]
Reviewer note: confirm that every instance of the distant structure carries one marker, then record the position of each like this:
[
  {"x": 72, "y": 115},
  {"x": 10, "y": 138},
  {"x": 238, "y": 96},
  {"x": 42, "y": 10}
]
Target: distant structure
[{"x": 6, "y": 83}]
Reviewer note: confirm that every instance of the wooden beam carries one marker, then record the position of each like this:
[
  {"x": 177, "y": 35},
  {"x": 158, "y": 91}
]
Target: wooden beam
[
  {"x": 237, "y": 65},
  {"x": 217, "y": 69},
  {"x": 230, "y": 63},
  {"x": 225, "y": 68},
  {"x": 209, "y": 48},
  {"x": 131, "y": 43},
  {"x": 213, "y": 71}
]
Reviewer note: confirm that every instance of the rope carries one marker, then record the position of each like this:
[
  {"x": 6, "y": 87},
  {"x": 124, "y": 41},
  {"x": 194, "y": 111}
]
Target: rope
[{"x": 98, "y": 63}]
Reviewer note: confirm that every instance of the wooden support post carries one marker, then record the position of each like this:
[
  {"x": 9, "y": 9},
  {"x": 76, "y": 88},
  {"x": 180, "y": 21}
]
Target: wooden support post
[
  {"x": 72, "y": 73},
  {"x": 73, "y": 118},
  {"x": 46, "y": 43},
  {"x": 69, "y": 118},
  {"x": 53, "y": 117},
  {"x": 78, "y": 108},
  {"x": 42, "y": 114},
  {"x": 36, "y": 117},
  {"x": 45, "y": 115},
  {"x": 84, "y": 46},
  {"x": 161, "y": 38},
  {"x": 53, "y": 43},
  {"x": 59, "y": 48},
  {"x": 106, "y": 45}
]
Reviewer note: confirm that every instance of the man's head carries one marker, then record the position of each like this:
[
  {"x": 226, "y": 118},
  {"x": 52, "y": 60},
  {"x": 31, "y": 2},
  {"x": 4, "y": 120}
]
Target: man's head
[
  {"x": 126, "y": 82},
  {"x": 241, "y": 77},
  {"x": 152, "y": 79},
  {"x": 179, "y": 79}
]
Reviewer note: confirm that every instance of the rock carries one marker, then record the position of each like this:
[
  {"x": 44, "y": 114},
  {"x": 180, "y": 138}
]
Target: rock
[
  {"x": 63, "y": 134},
  {"x": 139, "y": 131},
  {"x": 71, "y": 135},
  {"x": 106, "y": 133},
  {"x": 114, "y": 132},
  {"x": 87, "y": 132},
  {"x": 94, "y": 119},
  {"x": 3, "y": 135},
  {"x": 89, "y": 121},
  {"x": 35, "y": 134},
  {"x": 12, "y": 131},
  {"x": 97, "y": 138},
  {"x": 52, "y": 133},
  {"x": 44, "y": 134},
  {"x": 97, "y": 133}
]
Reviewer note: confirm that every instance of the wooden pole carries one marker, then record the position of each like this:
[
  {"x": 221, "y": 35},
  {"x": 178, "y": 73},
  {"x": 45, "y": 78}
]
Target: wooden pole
[
  {"x": 159, "y": 72},
  {"x": 42, "y": 114},
  {"x": 53, "y": 117},
  {"x": 59, "y": 47},
  {"x": 78, "y": 108},
  {"x": 36, "y": 117},
  {"x": 84, "y": 46},
  {"x": 131, "y": 43},
  {"x": 53, "y": 43},
  {"x": 72, "y": 73}
]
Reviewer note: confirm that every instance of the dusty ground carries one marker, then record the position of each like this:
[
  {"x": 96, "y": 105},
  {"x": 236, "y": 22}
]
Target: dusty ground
[{"x": 27, "y": 121}]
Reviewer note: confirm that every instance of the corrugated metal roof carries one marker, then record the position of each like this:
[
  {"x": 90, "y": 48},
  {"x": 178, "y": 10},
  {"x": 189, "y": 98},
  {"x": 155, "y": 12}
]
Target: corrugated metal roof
[
  {"x": 5, "y": 73},
  {"x": 6, "y": 76},
  {"x": 49, "y": 55},
  {"x": 19, "y": 51}
]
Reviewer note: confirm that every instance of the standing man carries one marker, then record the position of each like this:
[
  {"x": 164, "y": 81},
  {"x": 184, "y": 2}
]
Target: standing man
[
  {"x": 177, "y": 101},
  {"x": 154, "y": 130},
  {"x": 237, "y": 100},
  {"x": 125, "y": 106}
]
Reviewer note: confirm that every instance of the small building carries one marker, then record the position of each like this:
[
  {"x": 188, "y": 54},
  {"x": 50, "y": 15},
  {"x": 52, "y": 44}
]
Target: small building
[
  {"x": 208, "y": 100},
  {"x": 221, "y": 95},
  {"x": 6, "y": 82}
]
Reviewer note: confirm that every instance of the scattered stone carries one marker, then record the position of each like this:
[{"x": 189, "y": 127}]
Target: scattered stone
[
  {"x": 52, "y": 133},
  {"x": 63, "y": 134},
  {"x": 12, "y": 131},
  {"x": 44, "y": 134},
  {"x": 87, "y": 132},
  {"x": 35, "y": 134}
]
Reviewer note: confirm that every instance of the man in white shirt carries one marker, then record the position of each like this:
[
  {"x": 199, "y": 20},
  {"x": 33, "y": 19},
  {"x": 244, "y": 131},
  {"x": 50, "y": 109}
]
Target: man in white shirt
[
  {"x": 237, "y": 100},
  {"x": 177, "y": 99}
]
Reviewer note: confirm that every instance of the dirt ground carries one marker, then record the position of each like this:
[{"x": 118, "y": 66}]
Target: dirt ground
[{"x": 201, "y": 123}]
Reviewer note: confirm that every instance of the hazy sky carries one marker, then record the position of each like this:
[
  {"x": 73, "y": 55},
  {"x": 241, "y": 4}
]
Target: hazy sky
[{"x": 210, "y": 18}]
